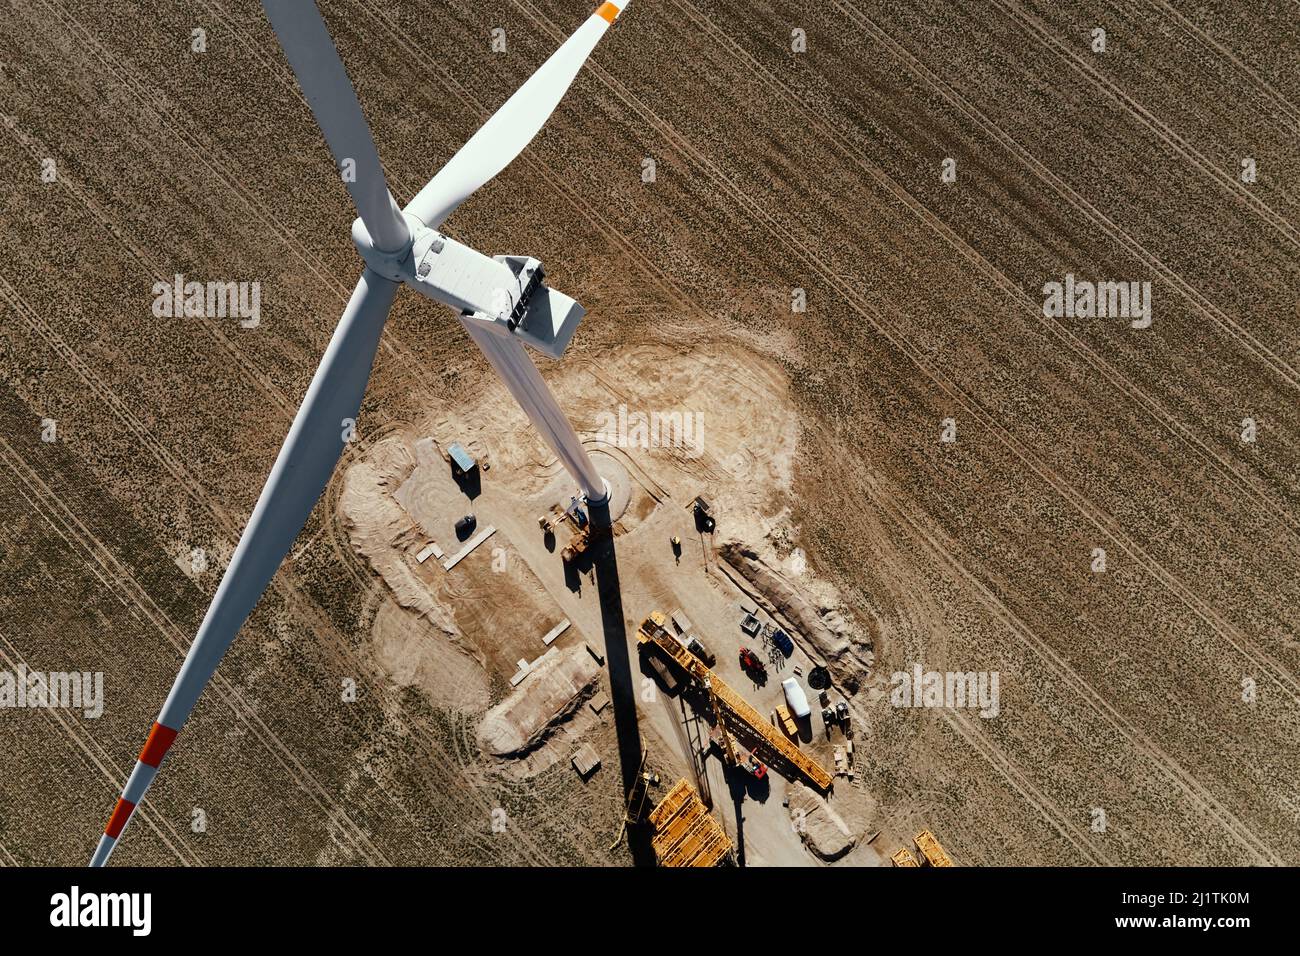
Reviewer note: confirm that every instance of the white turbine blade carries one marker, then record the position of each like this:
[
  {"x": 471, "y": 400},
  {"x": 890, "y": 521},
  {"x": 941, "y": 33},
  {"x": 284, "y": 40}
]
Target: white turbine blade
[
  {"x": 333, "y": 101},
  {"x": 507, "y": 356},
  {"x": 300, "y": 473},
  {"x": 511, "y": 128}
]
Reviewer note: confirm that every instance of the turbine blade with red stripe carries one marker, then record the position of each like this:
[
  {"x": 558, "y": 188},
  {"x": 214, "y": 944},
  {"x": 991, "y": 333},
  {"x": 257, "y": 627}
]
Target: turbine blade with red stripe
[{"x": 303, "y": 468}]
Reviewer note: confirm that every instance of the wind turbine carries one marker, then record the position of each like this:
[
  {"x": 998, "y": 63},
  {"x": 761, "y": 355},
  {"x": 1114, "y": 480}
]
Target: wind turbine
[{"x": 502, "y": 303}]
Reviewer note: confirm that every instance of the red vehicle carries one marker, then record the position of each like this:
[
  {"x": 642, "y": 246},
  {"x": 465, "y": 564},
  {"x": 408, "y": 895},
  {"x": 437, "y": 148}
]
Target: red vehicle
[{"x": 749, "y": 661}]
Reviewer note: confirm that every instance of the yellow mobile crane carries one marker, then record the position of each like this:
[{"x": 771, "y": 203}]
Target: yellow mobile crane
[
  {"x": 582, "y": 531},
  {"x": 725, "y": 700},
  {"x": 750, "y": 764}
]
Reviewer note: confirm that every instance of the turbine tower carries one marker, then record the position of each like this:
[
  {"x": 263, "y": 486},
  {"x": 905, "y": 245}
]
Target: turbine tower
[{"x": 502, "y": 302}]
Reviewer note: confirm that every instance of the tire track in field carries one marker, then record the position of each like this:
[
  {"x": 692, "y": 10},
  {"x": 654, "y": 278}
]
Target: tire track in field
[
  {"x": 183, "y": 132},
  {"x": 430, "y": 66},
  {"x": 1140, "y": 398},
  {"x": 1265, "y": 662},
  {"x": 582, "y": 206},
  {"x": 94, "y": 755},
  {"x": 253, "y": 373},
  {"x": 1281, "y": 108},
  {"x": 202, "y": 151},
  {"x": 320, "y": 624},
  {"x": 597, "y": 69},
  {"x": 146, "y": 438},
  {"x": 1135, "y": 737},
  {"x": 828, "y": 275},
  {"x": 1132, "y": 246},
  {"x": 1016, "y": 779},
  {"x": 404, "y": 183},
  {"x": 1094, "y": 515},
  {"x": 143, "y": 259},
  {"x": 284, "y": 581},
  {"x": 122, "y": 584},
  {"x": 1109, "y": 529},
  {"x": 1230, "y": 184}
]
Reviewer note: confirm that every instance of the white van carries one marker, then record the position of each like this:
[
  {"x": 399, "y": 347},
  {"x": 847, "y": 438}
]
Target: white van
[{"x": 795, "y": 697}]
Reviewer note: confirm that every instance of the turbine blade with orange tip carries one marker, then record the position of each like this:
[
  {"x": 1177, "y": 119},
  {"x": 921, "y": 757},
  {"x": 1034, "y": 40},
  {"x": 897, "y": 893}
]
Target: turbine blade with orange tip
[{"x": 513, "y": 126}]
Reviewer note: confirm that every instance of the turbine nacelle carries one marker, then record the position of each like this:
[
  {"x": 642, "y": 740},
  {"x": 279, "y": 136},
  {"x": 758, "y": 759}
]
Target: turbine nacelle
[{"x": 505, "y": 293}]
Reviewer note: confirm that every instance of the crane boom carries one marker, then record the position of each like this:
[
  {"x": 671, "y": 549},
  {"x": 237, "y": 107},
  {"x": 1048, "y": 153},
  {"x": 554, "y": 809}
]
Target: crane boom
[{"x": 724, "y": 699}]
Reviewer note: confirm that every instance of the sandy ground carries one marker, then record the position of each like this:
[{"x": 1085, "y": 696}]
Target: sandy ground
[
  {"x": 493, "y": 607},
  {"x": 1161, "y": 692}
]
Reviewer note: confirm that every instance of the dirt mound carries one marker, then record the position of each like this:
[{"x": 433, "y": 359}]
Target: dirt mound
[
  {"x": 382, "y": 532},
  {"x": 826, "y": 632},
  {"x": 559, "y": 684},
  {"x": 415, "y": 653},
  {"x": 822, "y": 830},
  {"x": 414, "y": 636}
]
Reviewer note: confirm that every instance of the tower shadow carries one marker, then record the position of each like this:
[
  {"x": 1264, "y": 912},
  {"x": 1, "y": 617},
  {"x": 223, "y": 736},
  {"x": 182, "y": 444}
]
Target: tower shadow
[
  {"x": 622, "y": 686},
  {"x": 738, "y": 801}
]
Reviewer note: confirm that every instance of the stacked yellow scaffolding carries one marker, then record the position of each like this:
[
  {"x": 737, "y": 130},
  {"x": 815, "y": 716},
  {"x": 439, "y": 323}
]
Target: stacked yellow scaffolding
[
  {"x": 685, "y": 833},
  {"x": 904, "y": 858},
  {"x": 931, "y": 851},
  {"x": 653, "y": 630}
]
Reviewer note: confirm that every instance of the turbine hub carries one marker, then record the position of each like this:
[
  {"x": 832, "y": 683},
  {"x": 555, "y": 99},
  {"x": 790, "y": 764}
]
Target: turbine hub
[{"x": 389, "y": 264}]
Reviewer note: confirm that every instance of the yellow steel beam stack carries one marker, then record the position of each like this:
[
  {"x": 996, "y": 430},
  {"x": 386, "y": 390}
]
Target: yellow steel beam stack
[
  {"x": 685, "y": 833},
  {"x": 904, "y": 858},
  {"x": 931, "y": 851},
  {"x": 652, "y": 629}
]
